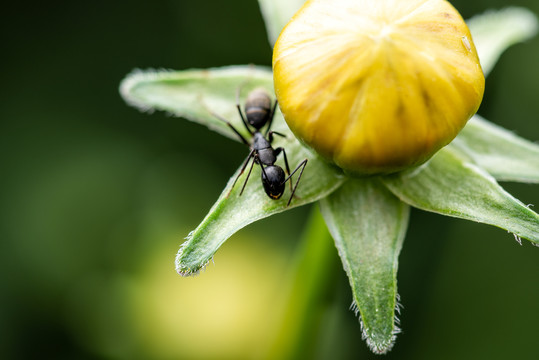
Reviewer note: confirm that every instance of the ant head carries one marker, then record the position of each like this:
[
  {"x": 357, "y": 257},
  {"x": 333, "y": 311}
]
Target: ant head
[
  {"x": 273, "y": 177},
  {"x": 258, "y": 108}
]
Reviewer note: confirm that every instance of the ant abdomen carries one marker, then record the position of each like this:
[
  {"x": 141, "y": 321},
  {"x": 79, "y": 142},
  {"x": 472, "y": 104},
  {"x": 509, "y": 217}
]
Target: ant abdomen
[
  {"x": 273, "y": 179},
  {"x": 258, "y": 108}
]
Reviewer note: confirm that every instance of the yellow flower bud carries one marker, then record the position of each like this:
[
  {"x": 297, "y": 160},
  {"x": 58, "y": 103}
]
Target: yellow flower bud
[{"x": 377, "y": 86}]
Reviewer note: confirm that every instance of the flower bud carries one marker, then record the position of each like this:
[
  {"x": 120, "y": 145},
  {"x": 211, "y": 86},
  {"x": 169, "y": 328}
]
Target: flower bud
[{"x": 377, "y": 86}]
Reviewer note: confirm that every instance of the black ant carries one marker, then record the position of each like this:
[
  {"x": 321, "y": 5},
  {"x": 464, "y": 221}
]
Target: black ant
[{"x": 258, "y": 113}]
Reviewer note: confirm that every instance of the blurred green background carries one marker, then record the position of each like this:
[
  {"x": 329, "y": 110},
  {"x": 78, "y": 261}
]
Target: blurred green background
[{"x": 96, "y": 198}]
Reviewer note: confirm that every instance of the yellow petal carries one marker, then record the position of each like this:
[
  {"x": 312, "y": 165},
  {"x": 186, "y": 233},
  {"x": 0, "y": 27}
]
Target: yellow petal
[{"x": 377, "y": 86}]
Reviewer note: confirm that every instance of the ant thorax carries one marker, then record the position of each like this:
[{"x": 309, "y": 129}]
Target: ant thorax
[{"x": 260, "y": 142}]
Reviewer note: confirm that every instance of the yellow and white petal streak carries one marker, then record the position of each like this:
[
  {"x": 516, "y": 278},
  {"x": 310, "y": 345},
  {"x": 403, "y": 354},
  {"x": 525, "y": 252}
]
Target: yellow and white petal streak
[{"x": 377, "y": 86}]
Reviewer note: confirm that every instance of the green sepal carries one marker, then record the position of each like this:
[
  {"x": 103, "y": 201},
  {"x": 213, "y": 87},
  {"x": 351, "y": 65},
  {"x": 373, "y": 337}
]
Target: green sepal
[
  {"x": 232, "y": 212},
  {"x": 276, "y": 14},
  {"x": 368, "y": 224},
  {"x": 195, "y": 94},
  {"x": 496, "y": 30},
  {"x": 450, "y": 185},
  {"x": 501, "y": 153}
]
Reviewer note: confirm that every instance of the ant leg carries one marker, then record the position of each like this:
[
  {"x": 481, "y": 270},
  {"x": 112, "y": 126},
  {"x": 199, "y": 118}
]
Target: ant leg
[
  {"x": 302, "y": 165},
  {"x": 277, "y": 152},
  {"x": 271, "y": 117},
  {"x": 249, "y": 173},
  {"x": 241, "y": 171},
  {"x": 271, "y": 133},
  {"x": 238, "y": 106},
  {"x": 219, "y": 117},
  {"x": 242, "y": 139}
]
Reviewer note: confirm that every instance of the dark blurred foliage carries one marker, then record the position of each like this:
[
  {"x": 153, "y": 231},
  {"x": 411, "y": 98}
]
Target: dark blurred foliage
[{"x": 96, "y": 198}]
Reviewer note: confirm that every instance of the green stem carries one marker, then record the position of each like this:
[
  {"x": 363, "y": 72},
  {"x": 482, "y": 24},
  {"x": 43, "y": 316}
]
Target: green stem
[{"x": 309, "y": 282}]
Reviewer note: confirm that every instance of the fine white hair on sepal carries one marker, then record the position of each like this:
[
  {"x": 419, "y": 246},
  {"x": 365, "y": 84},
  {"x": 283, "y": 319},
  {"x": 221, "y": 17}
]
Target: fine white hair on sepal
[
  {"x": 135, "y": 77},
  {"x": 188, "y": 271},
  {"x": 354, "y": 308},
  {"x": 397, "y": 321},
  {"x": 398, "y": 307},
  {"x": 518, "y": 239},
  {"x": 379, "y": 347}
]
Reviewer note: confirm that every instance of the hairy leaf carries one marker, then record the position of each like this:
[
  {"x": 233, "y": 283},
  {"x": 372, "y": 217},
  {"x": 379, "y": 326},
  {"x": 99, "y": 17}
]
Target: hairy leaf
[
  {"x": 276, "y": 14},
  {"x": 449, "y": 185},
  {"x": 368, "y": 224},
  {"x": 195, "y": 94},
  {"x": 501, "y": 153},
  {"x": 494, "y": 31},
  {"x": 232, "y": 212}
]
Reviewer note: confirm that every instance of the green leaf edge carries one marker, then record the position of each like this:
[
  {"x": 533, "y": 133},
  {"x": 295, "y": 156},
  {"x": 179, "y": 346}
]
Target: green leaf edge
[
  {"x": 194, "y": 108},
  {"x": 503, "y": 154},
  {"x": 527, "y": 227},
  {"x": 276, "y": 14},
  {"x": 496, "y": 30},
  {"x": 261, "y": 207},
  {"x": 369, "y": 333}
]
